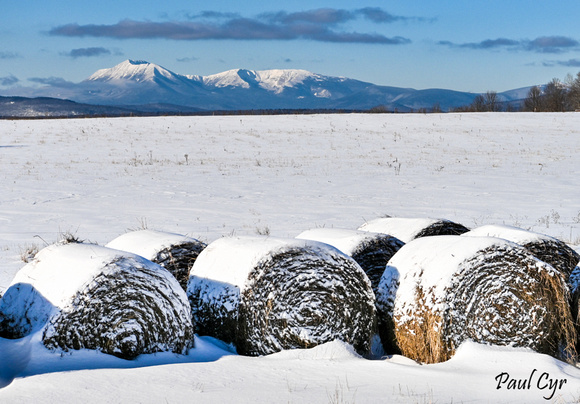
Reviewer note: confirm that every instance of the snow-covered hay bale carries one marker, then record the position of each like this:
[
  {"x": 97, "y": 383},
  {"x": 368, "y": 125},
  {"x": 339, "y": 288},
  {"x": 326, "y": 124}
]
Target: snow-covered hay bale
[
  {"x": 370, "y": 250},
  {"x": 407, "y": 229},
  {"x": 548, "y": 249},
  {"x": 266, "y": 294},
  {"x": 88, "y": 296},
  {"x": 441, "y": 291},
  {"x": 174, "y": 252},
  {"x": 574, "y": 285}
]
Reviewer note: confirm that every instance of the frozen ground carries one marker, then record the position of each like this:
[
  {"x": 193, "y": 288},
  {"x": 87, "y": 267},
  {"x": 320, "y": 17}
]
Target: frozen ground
[{"x": 211, "y": 176}]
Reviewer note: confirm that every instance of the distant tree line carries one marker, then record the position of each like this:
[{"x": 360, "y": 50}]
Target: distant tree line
[{"x": 556, "y": 96}]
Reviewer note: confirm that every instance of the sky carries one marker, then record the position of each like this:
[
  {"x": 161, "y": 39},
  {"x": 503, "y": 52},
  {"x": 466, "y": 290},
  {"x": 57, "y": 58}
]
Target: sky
[{"x": 493, "y": 45}]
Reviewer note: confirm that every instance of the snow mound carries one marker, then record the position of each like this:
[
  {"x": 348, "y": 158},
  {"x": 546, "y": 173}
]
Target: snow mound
[
  {"x": 407, "y": 229},
  {"x": 333, "y": 350},
  {"x": 268, "y": 294},
  {"x": 437, "y": 292}
]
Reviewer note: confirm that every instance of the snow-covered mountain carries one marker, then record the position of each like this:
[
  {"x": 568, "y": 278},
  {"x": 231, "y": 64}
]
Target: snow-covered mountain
[{"x": 133, "y": 83}]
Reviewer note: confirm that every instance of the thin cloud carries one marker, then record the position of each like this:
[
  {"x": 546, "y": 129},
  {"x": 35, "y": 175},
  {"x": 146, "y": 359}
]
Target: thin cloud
[
  {"x": 8, "y": 80},
  {"x": 380, "y": 16},
  {"x": 316, "y": 25},
  {"x": 545, "y": 44},
  {"x": 187, "y": 59},
  {"x": 486, "y": 44},
  {"x": 52, "y": 81},
  {"x": 326, "y": 16},
  {"x": 9, "y": 55},
  {"x": 212, "y": 15},
  {"x": 87, "y": 52},
  {"x": 565, "y": 63}
]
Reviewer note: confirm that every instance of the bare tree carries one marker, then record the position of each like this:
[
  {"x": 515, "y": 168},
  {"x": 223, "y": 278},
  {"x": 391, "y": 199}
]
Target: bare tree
[
  {"x": 555, "y": 96},
  {"x": 478, "y": 104},
  {"x": 491, "y": 101},
  {"x": 574, "y": 92},
  {"x": 534, "y": 101}
]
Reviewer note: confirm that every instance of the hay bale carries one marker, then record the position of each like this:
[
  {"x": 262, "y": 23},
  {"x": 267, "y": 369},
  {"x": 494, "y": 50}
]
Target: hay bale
[
  {"x": 87, "y": 296},
  {"x": 266, "y": 294},
  {"x": 174, "y": 252},
  {"x": 441, "y": 291},
  {"x": 407, "y": 229},
  {"x": 574, "y": 285},
  {"x": 370, "y": 250},
  {"x": 546, "y": 248}
]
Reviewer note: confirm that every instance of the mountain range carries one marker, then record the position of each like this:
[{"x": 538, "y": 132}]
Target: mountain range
[{"x": 140, "y": 86}]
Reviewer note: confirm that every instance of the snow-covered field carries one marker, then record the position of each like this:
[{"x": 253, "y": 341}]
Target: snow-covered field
[{"x": 207, "y": 177}]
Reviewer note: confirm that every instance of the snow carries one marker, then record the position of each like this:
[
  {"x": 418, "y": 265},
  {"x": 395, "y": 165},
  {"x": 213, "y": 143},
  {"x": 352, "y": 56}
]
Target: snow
[
  {"x": 98, "y": 178},
  {"x": 131, "y": 70},
  {"x": 346, "y": 240},
  {"x": 243, "y": 253},
  {"x": 77, "y": 264},
  {"x": 403, "y": 228},
  {"x": 147, "y": 243},
  {"x": 446, "y": 253},
  {"x": 275, "y": 80},
  {"x": 512, "y": 233}
]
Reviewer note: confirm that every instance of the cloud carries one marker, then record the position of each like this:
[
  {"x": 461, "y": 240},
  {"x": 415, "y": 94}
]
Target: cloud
[
  {"x": 8, "y": 80},
  {"x": 380, "y": 16},
  {"x": 486, "y": 44},
  {"x": 544, "y": 44},
  {"x": 326, "y": 16},
  {"x": 187, "y": 59},
  {"x": 52, "y": 81},
  {"x": 212, "y": 15},
  {"x": 552, "y": 44},
  {"x": 316, "y": 25},
  {"x": 9, "y": 55},
  {"x": 87, "y": 52},
  {"x": 566, "y": 63}
]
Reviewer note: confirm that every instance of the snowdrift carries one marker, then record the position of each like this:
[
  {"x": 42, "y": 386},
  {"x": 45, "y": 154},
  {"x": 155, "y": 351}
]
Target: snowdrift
[
  {"x": 440, "y": 291},
  {"x": 407, "y": 229},
  {"x": 266, "y": 294},
  {"x": 370, "y": 250},
  {"x": 88, "y": 296},
  {"x": 174, "y": 252}
]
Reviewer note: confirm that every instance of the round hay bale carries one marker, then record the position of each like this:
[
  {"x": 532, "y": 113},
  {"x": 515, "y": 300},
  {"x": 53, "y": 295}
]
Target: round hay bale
[
  {"x": 370, "y": 250},
  {"x": 407, "y": 229},
  {"x": 441, "y": 291},
  {"x": 546, "y": 248},
  {"x": 174, "y": 252},
  {"x": 266, "y": 294},
  {"x": 93, "y": 297},
  {"x": 574, "y": 285}
]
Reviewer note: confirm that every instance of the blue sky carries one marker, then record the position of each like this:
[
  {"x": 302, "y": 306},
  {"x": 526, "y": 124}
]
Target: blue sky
[{"x": 459, "y": 45}]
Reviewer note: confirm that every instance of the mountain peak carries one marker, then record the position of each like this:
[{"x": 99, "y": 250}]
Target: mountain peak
[
  {"x": 275, "y": 80},
  {"x": 132, "y": 70}
]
